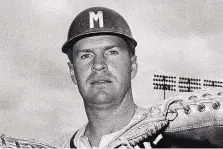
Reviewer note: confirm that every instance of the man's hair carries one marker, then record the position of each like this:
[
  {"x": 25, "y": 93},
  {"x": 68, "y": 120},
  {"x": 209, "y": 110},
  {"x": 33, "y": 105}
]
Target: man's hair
[{"x": 130, "y": 46}]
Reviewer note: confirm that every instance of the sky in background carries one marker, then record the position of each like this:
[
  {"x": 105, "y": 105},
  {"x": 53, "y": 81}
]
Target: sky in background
[{"x": 37, "y": 98}]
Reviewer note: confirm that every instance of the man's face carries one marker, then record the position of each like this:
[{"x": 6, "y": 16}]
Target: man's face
[{"x": 103, "y": 69}]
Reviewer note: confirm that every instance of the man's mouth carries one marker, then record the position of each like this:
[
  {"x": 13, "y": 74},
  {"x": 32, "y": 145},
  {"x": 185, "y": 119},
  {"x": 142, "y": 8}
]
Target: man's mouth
[{"x": 101, "y": 81}]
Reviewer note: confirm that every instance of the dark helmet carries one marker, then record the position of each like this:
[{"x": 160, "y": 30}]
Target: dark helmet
[{"x": 97, "y": 21}]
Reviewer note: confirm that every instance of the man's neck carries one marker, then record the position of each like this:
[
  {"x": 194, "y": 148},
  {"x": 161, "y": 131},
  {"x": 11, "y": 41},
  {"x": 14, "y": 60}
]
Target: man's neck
[{"x": 105, "y": 121}]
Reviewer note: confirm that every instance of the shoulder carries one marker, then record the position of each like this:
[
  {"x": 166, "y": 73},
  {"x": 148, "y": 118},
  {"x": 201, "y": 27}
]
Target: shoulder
[
  {"x": 140, "y": 111},
  {"x": 64, "y": 140}
]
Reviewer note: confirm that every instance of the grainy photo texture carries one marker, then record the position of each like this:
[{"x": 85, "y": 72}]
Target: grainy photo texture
[{"x": 111, "y": 74}]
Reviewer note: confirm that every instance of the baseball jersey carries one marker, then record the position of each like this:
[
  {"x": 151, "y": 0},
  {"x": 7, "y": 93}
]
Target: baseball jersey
[{"x": 78, "y": 140}]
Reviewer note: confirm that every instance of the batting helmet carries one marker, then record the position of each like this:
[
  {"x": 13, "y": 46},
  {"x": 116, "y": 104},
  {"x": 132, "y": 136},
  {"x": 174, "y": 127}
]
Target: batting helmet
[{"x": 97, "y": 21}]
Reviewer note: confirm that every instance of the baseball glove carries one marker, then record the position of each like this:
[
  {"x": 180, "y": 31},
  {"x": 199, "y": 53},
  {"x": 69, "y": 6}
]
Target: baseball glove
[
  {"x": 198, "y": 121},
  {"x": 191, "y": 119},
  {"x": 8, "y": 142}
]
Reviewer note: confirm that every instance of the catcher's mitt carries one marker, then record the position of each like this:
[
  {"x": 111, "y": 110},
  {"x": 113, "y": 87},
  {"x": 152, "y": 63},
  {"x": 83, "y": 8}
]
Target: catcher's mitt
[
  {"x": 195, "y": 116},
  {"x": 198, "y": 121},
  {"x": 8, "y": 142}
]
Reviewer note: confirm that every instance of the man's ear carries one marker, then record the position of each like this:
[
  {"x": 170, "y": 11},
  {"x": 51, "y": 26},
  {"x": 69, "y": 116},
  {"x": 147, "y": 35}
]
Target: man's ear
[
  {"x": 72, "y": 73},
  {"x": 134, "y": 68}
]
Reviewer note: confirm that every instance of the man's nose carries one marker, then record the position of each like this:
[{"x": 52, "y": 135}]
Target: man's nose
[{"x": 99, "y": 64}]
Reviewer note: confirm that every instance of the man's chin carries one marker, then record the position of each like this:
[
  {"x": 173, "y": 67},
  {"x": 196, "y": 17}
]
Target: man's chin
[
  {"x": 102, "y": 97},
  {"x": 101, "y": 100}
]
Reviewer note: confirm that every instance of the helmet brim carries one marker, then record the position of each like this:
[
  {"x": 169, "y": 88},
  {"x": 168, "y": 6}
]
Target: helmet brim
[{"x": 69, "y": 43}]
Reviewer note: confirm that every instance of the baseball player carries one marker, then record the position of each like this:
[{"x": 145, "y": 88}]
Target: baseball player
[
  {"x": 102, "y": 57},
  {"x": 102, "y": 64}
]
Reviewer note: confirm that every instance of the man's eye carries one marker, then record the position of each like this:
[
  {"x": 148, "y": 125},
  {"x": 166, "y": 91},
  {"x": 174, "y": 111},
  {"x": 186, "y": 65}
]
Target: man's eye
[
  {"x": 84, "y": 56},
  {"x": 113, "y": 52}
]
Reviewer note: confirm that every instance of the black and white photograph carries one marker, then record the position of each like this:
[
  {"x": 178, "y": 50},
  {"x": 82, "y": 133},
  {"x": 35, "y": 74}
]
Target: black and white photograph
[{"x": 111, "y": 74}]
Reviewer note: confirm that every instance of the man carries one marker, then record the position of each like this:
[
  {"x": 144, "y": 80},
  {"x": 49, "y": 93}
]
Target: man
[{"x": 102, "y": 57}]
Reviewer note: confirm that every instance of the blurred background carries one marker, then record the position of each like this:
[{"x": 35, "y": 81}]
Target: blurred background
[{"x": 37, "y": 97}]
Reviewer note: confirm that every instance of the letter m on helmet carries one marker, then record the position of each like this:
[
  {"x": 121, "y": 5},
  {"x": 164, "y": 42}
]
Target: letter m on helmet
[{"x": 96, "y": 17}]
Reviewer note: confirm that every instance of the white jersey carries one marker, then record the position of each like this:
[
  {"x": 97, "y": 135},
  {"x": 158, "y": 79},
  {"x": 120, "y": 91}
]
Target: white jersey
[{"x": 81, "y": 141}]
